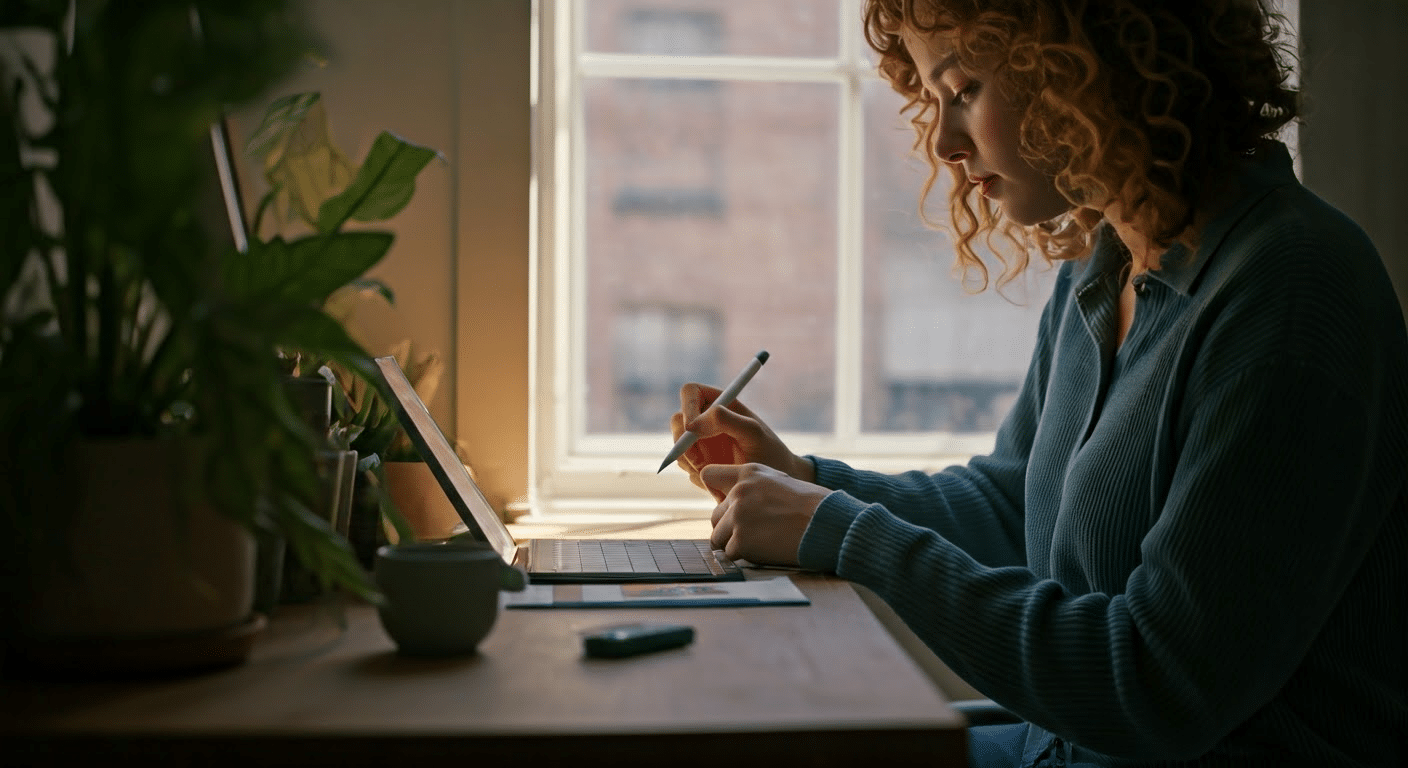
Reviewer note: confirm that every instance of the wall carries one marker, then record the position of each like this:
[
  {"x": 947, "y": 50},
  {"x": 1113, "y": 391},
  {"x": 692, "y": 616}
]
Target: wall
[
  {"x": 451, "y": 75},
  {"x": 1354, "y": 60},
  {"x": 494, "y": 143}
]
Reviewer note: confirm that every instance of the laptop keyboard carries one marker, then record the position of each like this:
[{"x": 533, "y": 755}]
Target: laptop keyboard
[{"x": 637, "y": 556}]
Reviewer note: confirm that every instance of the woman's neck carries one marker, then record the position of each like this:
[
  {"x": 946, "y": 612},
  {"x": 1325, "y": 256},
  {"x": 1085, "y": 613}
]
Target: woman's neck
[{"x": 1143, "y": 253}]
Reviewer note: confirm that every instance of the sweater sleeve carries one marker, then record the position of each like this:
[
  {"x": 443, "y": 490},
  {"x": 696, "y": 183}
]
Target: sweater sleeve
[{"x": 977, "y": 507}]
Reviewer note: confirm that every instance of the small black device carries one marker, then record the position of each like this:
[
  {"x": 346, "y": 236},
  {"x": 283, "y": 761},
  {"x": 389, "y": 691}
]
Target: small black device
[{"x": 631, "y": 639}]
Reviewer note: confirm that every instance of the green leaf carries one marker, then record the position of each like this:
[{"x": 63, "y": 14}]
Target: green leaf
[
  {"x": 302, "y": 162},
  {"x": 282, "y": 117},
  {"x": 326, "y": 553},
  {"x": 306, "y": 270},
  {"x": 308, "y": 329},
  {"x": 377, "y": 286},
  {"x": 32, "y": 13},
  {"x": 16, "y": 204},
  {"x": 382, "y": 187}
]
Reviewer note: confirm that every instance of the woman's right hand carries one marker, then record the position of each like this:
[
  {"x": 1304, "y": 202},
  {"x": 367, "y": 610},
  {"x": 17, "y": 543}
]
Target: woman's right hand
[{"x": 730, "y": 435}]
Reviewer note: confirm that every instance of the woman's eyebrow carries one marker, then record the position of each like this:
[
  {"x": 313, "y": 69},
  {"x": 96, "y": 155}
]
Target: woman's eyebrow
[{"x": 943, "y": 66}]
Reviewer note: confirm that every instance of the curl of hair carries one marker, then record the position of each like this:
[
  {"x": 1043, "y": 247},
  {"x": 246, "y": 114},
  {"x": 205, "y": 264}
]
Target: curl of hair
[{"x": 1141, "y": 104}]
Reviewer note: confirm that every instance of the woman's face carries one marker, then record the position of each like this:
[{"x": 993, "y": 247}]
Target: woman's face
[{"x": 978, "y": 132}]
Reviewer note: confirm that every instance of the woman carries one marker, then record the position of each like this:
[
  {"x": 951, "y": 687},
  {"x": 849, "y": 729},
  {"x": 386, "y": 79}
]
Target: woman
[{"x": 1190, "y": 542}]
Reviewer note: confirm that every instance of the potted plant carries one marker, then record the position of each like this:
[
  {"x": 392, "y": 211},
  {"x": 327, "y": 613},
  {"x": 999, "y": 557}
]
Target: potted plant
[
  {"x": 417, "y": 499},
  {"x": 305, "y": 171},
  {"x": 139, "y": 350}
]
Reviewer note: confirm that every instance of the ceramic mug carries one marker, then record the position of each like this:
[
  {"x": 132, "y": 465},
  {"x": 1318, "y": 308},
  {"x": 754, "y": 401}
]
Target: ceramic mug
[{"x": 441, "y": 599}]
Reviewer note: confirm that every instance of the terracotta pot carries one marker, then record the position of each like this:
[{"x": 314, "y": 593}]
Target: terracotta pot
[{"x": 421, "y": 500}]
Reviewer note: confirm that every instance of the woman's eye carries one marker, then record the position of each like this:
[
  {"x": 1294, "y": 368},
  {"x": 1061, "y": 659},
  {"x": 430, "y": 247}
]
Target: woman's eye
[{"x": 966, "y": 93}]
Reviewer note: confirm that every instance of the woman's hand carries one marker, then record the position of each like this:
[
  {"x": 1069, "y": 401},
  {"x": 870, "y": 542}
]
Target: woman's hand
[
  {"x": 730, "y": 435},
  {"x": 762, "y": 514}
]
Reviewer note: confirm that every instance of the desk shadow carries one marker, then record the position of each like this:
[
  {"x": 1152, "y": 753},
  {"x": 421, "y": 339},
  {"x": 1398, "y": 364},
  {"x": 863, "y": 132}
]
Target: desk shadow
[{"x": 394, "y": 664}]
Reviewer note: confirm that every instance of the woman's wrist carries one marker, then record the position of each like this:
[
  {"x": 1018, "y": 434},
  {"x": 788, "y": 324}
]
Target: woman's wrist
[{"x": 804, "y": 469}]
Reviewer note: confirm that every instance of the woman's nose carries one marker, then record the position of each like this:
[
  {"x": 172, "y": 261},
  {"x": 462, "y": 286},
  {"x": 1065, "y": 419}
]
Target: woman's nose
[
  {"x": 950, "y": 149},
  {"x": 951, "y": 144}
]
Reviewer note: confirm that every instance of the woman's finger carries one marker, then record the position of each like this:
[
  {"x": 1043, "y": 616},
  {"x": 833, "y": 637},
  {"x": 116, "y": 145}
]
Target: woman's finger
[
  {"x": 722, "y": 532},
  {"x": 695, "y": 399}
]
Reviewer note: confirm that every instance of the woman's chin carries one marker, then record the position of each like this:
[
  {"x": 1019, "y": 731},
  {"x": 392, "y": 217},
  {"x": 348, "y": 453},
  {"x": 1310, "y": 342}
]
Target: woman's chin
[{"x": 1027, "y": 216}]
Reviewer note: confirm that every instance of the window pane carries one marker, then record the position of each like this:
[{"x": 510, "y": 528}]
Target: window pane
[
  {"x": 713, "y": 27},
  {"x": 710, "y": 214},
  {"x": 935, "y": 357},
  {"x": 657, "y": 349}
]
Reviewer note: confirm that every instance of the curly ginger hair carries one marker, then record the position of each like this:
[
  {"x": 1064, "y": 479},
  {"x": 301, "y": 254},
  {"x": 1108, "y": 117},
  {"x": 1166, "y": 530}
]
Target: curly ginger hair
[{"x": 1140, "y": 103}]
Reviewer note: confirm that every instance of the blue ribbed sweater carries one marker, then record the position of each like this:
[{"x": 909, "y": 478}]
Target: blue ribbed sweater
[{"x": 1192, "y": 548}]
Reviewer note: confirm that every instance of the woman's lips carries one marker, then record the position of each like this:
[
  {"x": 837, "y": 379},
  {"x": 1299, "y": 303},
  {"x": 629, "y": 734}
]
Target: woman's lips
[{"x": 984, "y": 183}]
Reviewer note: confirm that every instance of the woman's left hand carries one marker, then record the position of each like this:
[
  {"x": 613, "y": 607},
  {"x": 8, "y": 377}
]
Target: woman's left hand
[{"x": 763, "y": 514}]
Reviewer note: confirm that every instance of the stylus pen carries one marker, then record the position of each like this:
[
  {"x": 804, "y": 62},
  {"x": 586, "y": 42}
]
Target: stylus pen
[{"x": 727, "y": 396}]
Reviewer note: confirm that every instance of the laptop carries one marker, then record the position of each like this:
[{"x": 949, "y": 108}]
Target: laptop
[{"x": 547, "y": 561}]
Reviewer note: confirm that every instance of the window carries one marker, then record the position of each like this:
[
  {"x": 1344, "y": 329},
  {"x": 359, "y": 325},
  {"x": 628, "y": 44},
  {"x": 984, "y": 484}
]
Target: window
[
  {"x": 718, "y": 177},
  {"x": 669, "y": 31},
  {"x": 655, "y": 351}
]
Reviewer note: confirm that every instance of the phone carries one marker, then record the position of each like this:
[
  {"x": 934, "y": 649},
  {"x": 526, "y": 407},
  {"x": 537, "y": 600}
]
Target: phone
[{"x": 630, "y": 639}]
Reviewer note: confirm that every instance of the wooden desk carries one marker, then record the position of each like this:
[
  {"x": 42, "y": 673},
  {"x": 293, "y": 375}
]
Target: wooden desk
[{"x": 823, "y": 684}]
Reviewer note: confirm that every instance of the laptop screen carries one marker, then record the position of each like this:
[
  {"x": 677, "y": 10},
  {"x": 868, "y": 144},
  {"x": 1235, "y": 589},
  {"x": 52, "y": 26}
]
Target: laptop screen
[{"x": 454, "y": 478}]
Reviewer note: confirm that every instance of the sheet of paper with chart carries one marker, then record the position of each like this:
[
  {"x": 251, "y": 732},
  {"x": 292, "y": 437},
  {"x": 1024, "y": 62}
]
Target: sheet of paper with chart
[{"x": 774, "y": 591}]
